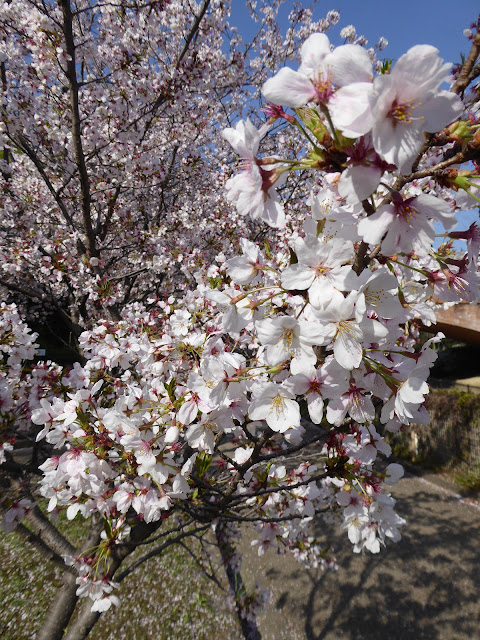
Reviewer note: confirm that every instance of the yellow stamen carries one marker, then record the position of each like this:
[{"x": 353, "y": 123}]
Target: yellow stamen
[{"x": 404, "y": 112}]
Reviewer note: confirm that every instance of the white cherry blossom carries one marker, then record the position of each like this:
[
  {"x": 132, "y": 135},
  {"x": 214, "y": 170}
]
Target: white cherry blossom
[
  {"x": 321, "y": 269},
  {"x": 408, "y": 102},
  {"x": 276, "y": 405}
]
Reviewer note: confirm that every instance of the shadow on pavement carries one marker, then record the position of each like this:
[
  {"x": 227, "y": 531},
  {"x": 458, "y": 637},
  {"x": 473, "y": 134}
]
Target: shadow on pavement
[{"x": 426, "y": 586}]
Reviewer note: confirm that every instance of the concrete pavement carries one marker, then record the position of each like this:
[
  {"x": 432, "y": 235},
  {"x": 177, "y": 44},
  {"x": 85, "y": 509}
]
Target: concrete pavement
[{"x": 427, "y": 586}]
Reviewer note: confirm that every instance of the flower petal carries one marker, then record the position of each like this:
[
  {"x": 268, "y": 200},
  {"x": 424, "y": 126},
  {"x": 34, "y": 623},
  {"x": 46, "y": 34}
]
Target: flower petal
[{"x": 289, "y": 88}]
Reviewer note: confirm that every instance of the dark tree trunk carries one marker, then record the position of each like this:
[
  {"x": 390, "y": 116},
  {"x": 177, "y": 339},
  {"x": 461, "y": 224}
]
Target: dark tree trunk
[{"x": 227, "y": 550}]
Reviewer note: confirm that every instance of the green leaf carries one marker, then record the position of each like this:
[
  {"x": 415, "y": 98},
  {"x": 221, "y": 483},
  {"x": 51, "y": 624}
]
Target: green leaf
[
  {"x": 203, "y": 462},
  {"x": 215, "y": 282},
  {"x": 170, "y": 387},
  {"x": 107, "y": 527},
  {"x": 386, "y": 66}
]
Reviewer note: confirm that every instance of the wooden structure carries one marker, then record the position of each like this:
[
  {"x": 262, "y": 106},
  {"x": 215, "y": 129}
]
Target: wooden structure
[{"x": 460, "y": 322}]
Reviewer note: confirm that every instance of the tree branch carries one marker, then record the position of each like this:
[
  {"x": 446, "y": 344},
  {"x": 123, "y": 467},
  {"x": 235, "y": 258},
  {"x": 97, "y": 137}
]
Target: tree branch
[
  {"x": 465, "y": 75},
  {"x": 49, "y": 534},
  {"x": 65, "y": 601},
  {"x": 159, "y": 550},
  {"x": 298, "y": 516},
  {"x": 76, "y": 127},
  {"x": 161, "y": 98},
  {"x": 193, "y": 31},
  {"x": 36, "y": 540},
  {"x": 24, "y": 145}
]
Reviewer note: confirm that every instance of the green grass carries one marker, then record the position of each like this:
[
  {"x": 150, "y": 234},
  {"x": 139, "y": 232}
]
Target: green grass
[
  {"x": 168, "y": 598},
  {"x": 27, "y": 585},
  {"x": 468, "y": 480}
]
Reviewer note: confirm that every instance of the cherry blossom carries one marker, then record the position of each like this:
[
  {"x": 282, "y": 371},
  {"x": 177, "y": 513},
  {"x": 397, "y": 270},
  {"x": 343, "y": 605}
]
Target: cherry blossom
[
  {"x": 276, "y": 405},
  {"x": 200, "y": 332},
  {"x": 321, "y": 269},
  {"x": 408, "y": 102}
]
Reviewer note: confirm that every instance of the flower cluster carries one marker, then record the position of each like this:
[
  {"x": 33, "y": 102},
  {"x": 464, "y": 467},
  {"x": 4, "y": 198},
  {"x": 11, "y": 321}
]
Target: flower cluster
[{"x": 263, "y": 394}]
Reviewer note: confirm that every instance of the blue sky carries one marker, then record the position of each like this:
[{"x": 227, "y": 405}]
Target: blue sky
[{"x": 404, "y": 23}]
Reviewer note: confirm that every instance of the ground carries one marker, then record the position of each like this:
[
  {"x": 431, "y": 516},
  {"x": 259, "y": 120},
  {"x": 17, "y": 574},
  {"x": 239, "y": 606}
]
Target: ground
[{"x": 424, "y": 587}]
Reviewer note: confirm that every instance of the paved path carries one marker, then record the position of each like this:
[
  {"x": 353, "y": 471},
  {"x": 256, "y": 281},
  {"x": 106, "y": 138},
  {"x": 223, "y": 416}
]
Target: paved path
[{"x": 426, "y": 587}]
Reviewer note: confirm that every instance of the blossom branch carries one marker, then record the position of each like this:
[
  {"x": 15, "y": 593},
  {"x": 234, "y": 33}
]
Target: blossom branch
[
  {"x": 468, "y": 72},
  {"x": 37, "y": 541},
  {"x": 272, "y": 519},
  {"x": 159, "y": 550},
  {"x": 76, "y": 126}
]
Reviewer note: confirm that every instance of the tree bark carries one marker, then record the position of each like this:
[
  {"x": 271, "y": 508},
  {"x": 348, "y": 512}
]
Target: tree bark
[
  {"x": 49, "y": 534},
  {"x": 86, "y": 619},
  {"x": 60, "y": 611},
  {"x": 65, "y": 600},
  {"x": 227, "y": 550}
]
